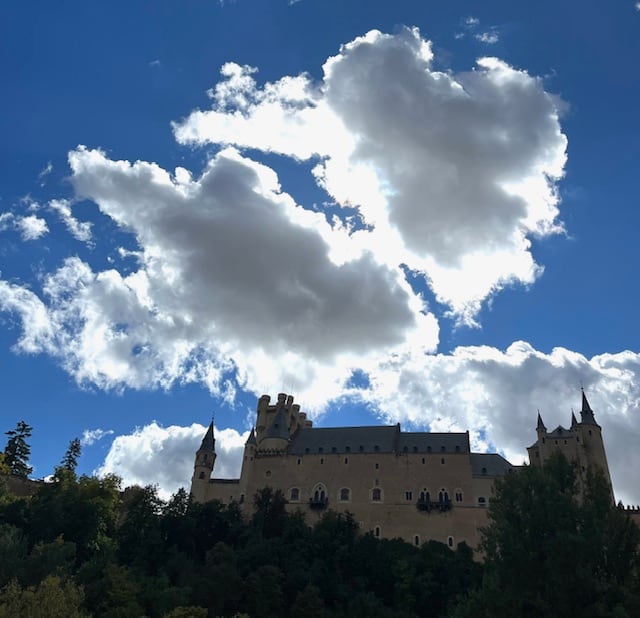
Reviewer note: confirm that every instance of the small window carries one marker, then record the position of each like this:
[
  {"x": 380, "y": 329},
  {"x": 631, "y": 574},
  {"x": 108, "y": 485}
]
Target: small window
[
  {"x": 241, "y": 498},
  {"x": 201, "y": 475},
  {"x": 267, "y": 473},
  {"x": 294, "y": 494},
  {"x": 345, "y": 494},
  {"x": 428, "y": 449},
  {"x": 321, "y": 460},
  {"x": 376, "y": 494},
  {"x": 347, "y": 449},
  {"x": 442, "y": 449},
  {"x": 346, "y": 460},
  {"x": 556, "y": 442},
  {"x": 482, "y": 501},
  {"x": 405, "y": 449},
  {"x": 320, "y": 449},
  {"x": 306, "y": 450},
  {"x": 299, "y": 460},
  {"x": 443, "y": 496},
  {"x": 376, "y": 448},
  {"x": 442, "y": 460},
  {"x": 334, "y": 449},
  {"x": 408, "y": 495},
  {"x": 458, "y": 496},
  {"x": 484, "y": 470},
  {"x": 450, "y": 541},
  {"x": 377, "y": 466},
  {"x": 376, "y": 532},
  {"x": 416, "y": 540},
  {"x": 565, "y": 441},
  {"x": 543, "y": 440},
  {"x": 578, "y": 438},
  {"x": 361, "y": 448},
  {"x": 424, "y": 460},
  {"x": 589, "y": 431},
  {"x": 415, "y": 449},
  {"x": 457, "y": 448}
]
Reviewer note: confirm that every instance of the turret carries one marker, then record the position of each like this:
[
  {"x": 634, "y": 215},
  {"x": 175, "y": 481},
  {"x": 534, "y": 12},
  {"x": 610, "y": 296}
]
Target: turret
[
  {"x": 203, "y": 466},
  {"x": 540, "y": 427},
  {"x": 586, "y": 413}
]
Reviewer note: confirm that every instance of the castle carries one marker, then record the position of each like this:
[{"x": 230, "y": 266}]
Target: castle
[{"x": 417, "y": 486}]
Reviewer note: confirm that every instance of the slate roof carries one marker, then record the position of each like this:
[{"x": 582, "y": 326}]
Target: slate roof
[
  {"x": 208, "y": 442},
  {"x": 387, "y": 439},
  {"x": 489, "y": 464},
  {"x": 345, "y": 440},
  {"x": 424, "y": 442}
]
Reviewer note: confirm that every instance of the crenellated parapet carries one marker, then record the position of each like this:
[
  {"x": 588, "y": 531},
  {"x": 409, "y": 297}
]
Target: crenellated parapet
[{"x": 277, "y": 423}]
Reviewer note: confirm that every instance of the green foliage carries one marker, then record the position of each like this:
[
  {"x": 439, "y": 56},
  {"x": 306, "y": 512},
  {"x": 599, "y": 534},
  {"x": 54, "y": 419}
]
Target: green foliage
[
  {"x": 69, "y": 461},
  {"x": 51, "y": 598},
  {"x": 17, "y": 450},
  {"x": 551, "y": 551}
]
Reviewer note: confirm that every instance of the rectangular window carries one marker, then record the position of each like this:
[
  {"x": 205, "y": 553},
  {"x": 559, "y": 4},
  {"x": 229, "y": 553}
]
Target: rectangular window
[{"x": 408, "y": 495}]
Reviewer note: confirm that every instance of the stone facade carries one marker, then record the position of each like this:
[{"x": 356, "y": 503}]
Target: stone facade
[{"x": 418, "y": 486}]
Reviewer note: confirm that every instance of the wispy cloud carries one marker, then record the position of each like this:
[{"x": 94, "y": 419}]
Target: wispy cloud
[
  {"x": 90, "y": 436},
  {"x": 80, "y": 230},
  {"x": 48, "y": 168}
]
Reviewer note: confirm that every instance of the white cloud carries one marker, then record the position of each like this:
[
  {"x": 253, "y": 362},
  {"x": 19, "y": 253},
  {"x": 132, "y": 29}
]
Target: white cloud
[
  {"x": 46, "y": 170},
  {"x": 231, "y": 273},
  {"x": 30, "y": 227},
  {"x": 91, "y": 436},
  {"x": 165, "y": 455},
  {"x": 453, "y": 171},
  {"x": 490, "y": 37},
  {"x": 637, "y": 6},
  {"x": 80, "y": 230}
]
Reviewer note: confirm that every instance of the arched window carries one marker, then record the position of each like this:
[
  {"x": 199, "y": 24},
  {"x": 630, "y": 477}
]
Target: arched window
[
  {"x": 450, "y": 541},
  {"x": 458, "y": 495},
  {"x": 201, "y": 475},
  {"x": 376, "y": 532},
  {"x": 424, "y": 496},
  {"x": 319, "y": 493},
  {"x": 294, "y": 494},
  {"x": 345, "y": 494},
  {"x": 416, "y": 540},
  {"x": 376, "y": 494},
  {"x": 443, "y": 496}
]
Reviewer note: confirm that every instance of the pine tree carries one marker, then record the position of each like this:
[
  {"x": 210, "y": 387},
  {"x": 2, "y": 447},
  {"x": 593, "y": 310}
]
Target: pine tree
[
  {"x": 17, "y": 451},
  {"x": 70, "y": 460}
]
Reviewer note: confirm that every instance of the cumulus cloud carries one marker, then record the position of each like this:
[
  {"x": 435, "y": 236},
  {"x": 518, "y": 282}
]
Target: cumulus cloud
[
  {"x": 231, "y": 273},
  {"x": 30, "y": 227},
  {"x": 80, "y": 230},
  {"x": 91, "y": 436},
  {"x": 453, "y": 172},
  {"x": 165, "y": 455}
]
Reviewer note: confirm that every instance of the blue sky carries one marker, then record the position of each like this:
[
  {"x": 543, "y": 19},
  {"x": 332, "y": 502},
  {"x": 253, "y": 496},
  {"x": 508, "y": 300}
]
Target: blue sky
[{"x": 421, "y": 212}]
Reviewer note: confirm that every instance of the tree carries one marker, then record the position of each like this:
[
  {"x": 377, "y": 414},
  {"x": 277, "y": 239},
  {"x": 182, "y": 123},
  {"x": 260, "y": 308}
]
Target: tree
[
  {"x": 70, "y": 460},
  {"x": 17, "y": 451},
  {"x": 550, "y": 551}
]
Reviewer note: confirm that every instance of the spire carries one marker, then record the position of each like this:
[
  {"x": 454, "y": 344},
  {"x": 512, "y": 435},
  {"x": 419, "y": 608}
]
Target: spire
[
  {"x": 279, "y": 427},
  {"x": 586, "y": 413},
  {"x": 540, "y": 426},
  {"x": 252, "y": 438},
  {"x": 574, "y": 421},
  {"x": 208, "y": 442}
]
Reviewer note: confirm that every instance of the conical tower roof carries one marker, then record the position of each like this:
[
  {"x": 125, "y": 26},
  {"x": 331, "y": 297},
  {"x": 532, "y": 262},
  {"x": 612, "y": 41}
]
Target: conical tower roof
[
  {"x": 540, "y": 426},
  {"x": 208, "y": 442},
  {"x": 252, "y": 438},
  {"x": 280, "y": 427},
  {"x": 586, "y": 413}
]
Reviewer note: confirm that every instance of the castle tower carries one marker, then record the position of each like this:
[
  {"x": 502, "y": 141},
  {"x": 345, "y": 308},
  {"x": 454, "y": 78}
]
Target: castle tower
[
  {"x": 203, "y": 465},
  {"x": 589, "y": 434},
  {"x": 582, "y": 444}
]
